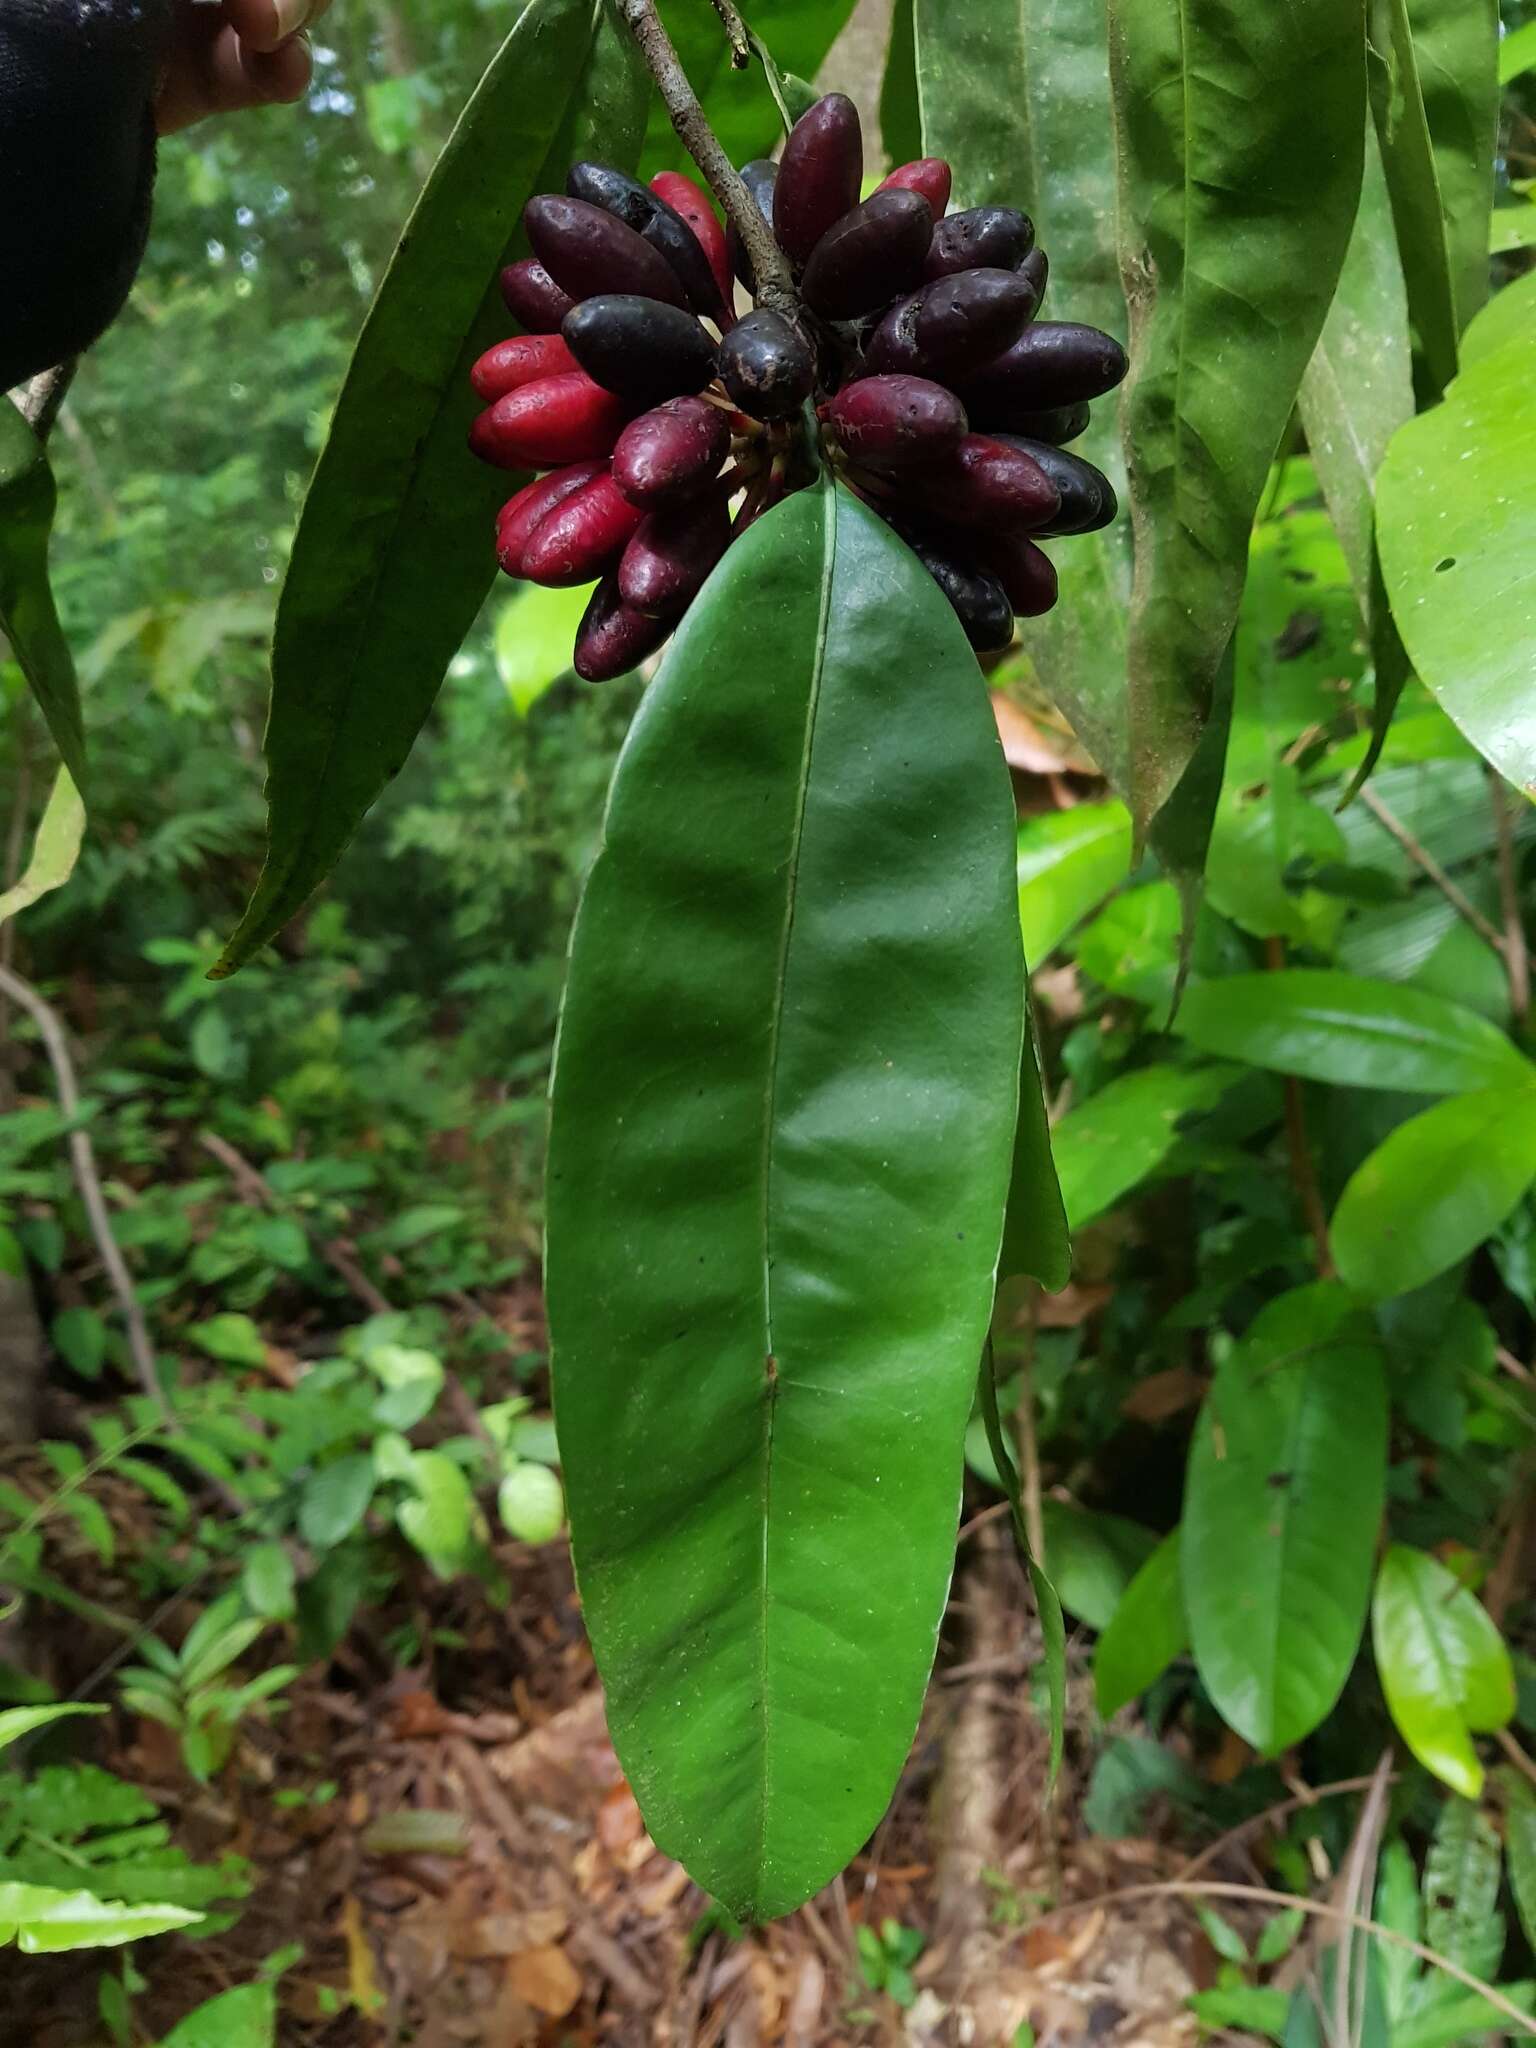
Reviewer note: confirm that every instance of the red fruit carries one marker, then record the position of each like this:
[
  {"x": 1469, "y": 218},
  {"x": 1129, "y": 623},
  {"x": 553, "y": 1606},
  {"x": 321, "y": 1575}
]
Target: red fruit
[
  {"x": 587, "y": 250},
  {"x": 582, "y": 536},
  {"x": 896, "y": 421},
  {"x": 533, "y": 298},
  {"x": 984, "y": 483},
  {"x": 819, "y": 175},
  {"x": 1025, "y": 571},
  {"x": 523, "y": 511},
  {"x": 548, "y": 424},
  {"x": 613, "y": 636},
  {"x": 928, "y": 175},
  {"x": 686, "y": 199},
  {"x": 670, "y": 454},
  {"x": 511, "y": 364},
  {"x": 666, "y": 564}
]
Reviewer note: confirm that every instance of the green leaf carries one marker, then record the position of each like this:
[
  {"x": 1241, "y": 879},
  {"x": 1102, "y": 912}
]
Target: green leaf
[
  {"x": 1457, "y": 46},
  {"x": 1110, "y": 1143},
  {"x": 1444, "y": 1667},
  {"x": 1517, "y": 52},
  {"x": 57, "y": 845},
  {"x": 1511, "y": 227},
  {"x": 901, "y": 116},
  {"x": 1287, "y": 1474},
  {"x": 1413, "y": 184},
  {"x": 392, "y": 560},
  {"x": 1146, "y": 1631},
  {"x": 1520, "y": 1845},
  {"x": 29, "y": 618},
  {"x": 1434, "y": 1189},
  {"x": 1035, "y": 1240},
  {"x": 1068, "y": 863},
  {"x": 1053, "y": 1627},
  {"x": 1462, "y": 1921},
  {"x": 15, "y": 1722},
  {"x": 1015, "y": 93},
  {"x": 232, "y": 1338},
  {"x": 534, "y": 635},
  {"x": 243, "y": 2018},
  {"x": 267, "y": 1582},
  {"x": 44, "y": 1922},
  {"x": 1093, "y": 1558},
  {"x": 1460, "y": 2016},
  {"x": 783, "y": 1110},
  {"x": 1341, "y": 1028},
  {"x": 531, "y": 1503},
  {"x": 1456, "y": 507},
  {"x": 1240, "y": 132},
  {"x": 80, "y": 1338},
  {"x": 738, "y": 104},
  {"x": 439, "y": 1519}
]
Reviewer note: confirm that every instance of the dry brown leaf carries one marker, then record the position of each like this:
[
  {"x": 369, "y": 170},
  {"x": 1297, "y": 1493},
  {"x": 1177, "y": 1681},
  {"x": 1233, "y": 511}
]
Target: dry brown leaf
[
  {"x": 546, "y": 1979},
  {"x": 362, "y": 1977},
  {"x": 1163, "y": 1394}
]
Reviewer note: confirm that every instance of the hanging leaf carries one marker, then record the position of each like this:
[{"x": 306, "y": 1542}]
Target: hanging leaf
[
  {"x": 738, "y": 104},
  {"x": 1413, "y": 185},
  {"x": 1111, "y": 1142},
  {"x": 1355, "y": 1033},
  {"x": 55, "y": 849},
  {"x": 1443, "y": 1665},
  {"x": 1456, "y": 43},
  {"x": 1457, "y": 521},
  {"x": 783, "y": 1108},
  {"x": 1434, "y": 1189},
  {"x": 1068, "y": 863},
  {"x": 29, "y": 620},
  {"x": 1015, "y": 93},
  {"x": 1035, "y": 1240},
  {"x": 901, "y": 118},
  {"x": 1287, "y": 1474},
  {"x": 1233, "y": 232},
  {"x": 1462, "y": 1921},
  {"x": 392, "y": 558},
  {"x": 1146, "y": 1632}
]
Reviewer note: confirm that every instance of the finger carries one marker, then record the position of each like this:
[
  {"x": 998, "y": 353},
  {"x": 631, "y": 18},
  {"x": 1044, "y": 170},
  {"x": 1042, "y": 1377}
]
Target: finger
[
  {"x": 265, "y": 25},
  {"x": 219, "y": 75}
]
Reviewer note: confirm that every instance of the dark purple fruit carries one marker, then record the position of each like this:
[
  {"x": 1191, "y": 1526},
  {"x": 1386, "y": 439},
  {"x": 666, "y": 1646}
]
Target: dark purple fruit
[
  {"x": 638, "y": 347},
  {"x": 671, "y": 555},
  {"x": 533, "y": 298},
  {"x": 980, "y": 602},
  {"x": 671, "y": 454},
  {"x": 869, "y": 255},
  {"x": 1027, "y": 573},
  {"x": 655, "y": 222},
  {"x": 581, "y": 537},
  {"x": 983, "y": 483},
  {"x": 994, "y": 415},
  {"x": 1037, "y": 268},
  {"x": 1087, "y": 495},
  {"x": 613, "y": 636},
  {"x": 1053, "y": 362},
  {"x": 760, "y": 177},
  {"x": 586, "y": 250},
  {"x": 766, "y": 366},
  {"x": 895, "y": 422},
  {"x": 952, "y": 326},
  {"x": 981, "y": 238},
  {"x": 819, "y": 175}
]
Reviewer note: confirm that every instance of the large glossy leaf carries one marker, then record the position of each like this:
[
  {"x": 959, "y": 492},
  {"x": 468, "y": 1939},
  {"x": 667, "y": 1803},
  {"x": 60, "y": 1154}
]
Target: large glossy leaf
[
  {"x": 1457, "y": 46},
  {"x": 1413, "y": 183},
  {"x": 1327, "y": 1026},
  {"x": 392, "y": 558},
  {"x": 1287, "y": 1474},
  {"x": 29, "y": 619},
  {"x": 738, "y": 103},
  {"x": 783, "y": 1112},
  {"x": 1110, "y": 1143},
  {"x": 1443, "y": 1665},
  {"x": 1240, "y": 133},
  {"x": 1456, "y": 509},
  {"x": 1068, "y": 863},
  {"x": 1016, "y": 94},
  {"x": 1434, "y": 1189},
  {"x": 1146, "y": 1631}
]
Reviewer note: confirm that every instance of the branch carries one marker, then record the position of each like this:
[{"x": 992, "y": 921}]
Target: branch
[
  {"x": 256, "y": 1189},
  {"x": 1517, "y": 959},
  {"x": 736, "y": 30},
  {"x": 82, "y": 1156},
  {"x": 775, "y": 285},
  {"x": 1422, "y": 858}
]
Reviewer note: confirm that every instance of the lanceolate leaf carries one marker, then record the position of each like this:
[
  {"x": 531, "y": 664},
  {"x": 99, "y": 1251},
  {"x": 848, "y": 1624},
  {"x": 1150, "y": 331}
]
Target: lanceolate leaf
[
  {"x": 1456, "y": 511},
  {"x": 1287, "y": 1474},
  {"x": 1457, "y": 46},
  {"x": 1146, "y": 1632},
  {"x": 1413, "y": 182},
  {"x": 901, "y": 120},
  {"x": 739, "y": 104},
  {"x": 1443, "y": 1665},
  {"x": 783, "y": 1109},
  {"x": 1110, "y": 1143},
  {"x": 1434, "y": 1189},
  {"x": 1035, "y": 1240},
  {"x": 1327, "y": 1026},
  {"x": 28, "y": 617},
  {"x": 393, "y": 556},
  {"x": 1016, "y": 94},
  {"x": 1240, "y": 132}
]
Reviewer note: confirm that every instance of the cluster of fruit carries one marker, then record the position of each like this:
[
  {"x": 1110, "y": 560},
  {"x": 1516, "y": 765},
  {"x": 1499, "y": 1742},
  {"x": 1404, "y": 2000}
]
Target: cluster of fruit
[{"x": 666, "y": 424}]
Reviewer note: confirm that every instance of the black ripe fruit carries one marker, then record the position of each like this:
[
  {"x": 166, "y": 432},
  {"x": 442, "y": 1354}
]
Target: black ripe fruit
[
  {"x": 1059, "y": 424},
  {"x": 1087, "y": 495},
  {"x": 586, "y": 250},
  {"x": 868, "y": 256},
  {"x": 760, "y": 176},
  {"x": 655, "y": 222},
  {"x": 895, "y": 422},
  {"x": 819, "y": 175},
  {"x": 953, "y": 326},
  {"x": 1053, "y": 362},
  {"x": 983, "y": 237},
  {"x": 641, "y": 349},
  {"x": 672, "y": 453},
  {"x": 766, "y": 366},
  {"x": 980, "y": 602}
]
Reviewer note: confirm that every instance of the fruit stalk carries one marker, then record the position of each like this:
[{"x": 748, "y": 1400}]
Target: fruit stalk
[{"x": 775, "y": 286}]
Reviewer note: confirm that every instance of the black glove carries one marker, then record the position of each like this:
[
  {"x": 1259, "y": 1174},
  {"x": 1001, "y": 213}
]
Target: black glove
[{"x": 77, "y": 169}]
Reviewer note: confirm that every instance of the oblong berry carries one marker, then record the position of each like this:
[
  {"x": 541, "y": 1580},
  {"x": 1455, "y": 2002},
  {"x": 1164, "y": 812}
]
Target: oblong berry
[
  {"x": 546, "y": 425},
  {"x": 671, "y": 453},
  {"x": 820, "y": 173},
  {"x": 978, "y": 597},
  {"x": 1026, "y": 572},
  {"x": 691, "y": 205},
  {"x": 671, "y": 555},
  {"x": 582, "y": 537},
  {"x": 929, "y": 175},
  {"x": 1037, "y": 268},
  {"x": 766, "y": 366},
  {"x": 952, "y": 326},
  {"x": 638, "y": 347},
  {"x": 1087, "y": 496},
  {"x": 642, "y": 208},
  {"x": 511, "y": 364},
  {"x": 760, "y": 177},
  {"x": 982, "y": 237},
  {"x": 533, "y": 298},
  {"x": 587, "y": 250},
  {"x": 894, "y": 422},
  {"x": 992, "y": 412},
  {"x": 526, "y": 508},
  {"x": 613, "y": 636},
  {"x": 983, "y": 483},
  {"x": 1053, "y": 362},
  {"x": 873, "y": 252}
]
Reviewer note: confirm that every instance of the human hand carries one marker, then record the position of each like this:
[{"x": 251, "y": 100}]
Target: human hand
[{"x": 239, "y": 53}]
